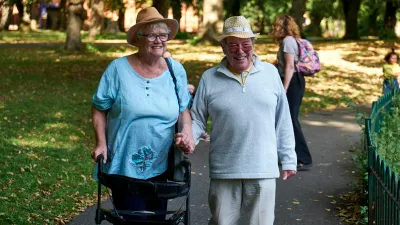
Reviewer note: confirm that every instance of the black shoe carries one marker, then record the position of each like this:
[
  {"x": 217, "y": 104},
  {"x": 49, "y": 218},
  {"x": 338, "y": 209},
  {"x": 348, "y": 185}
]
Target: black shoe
[{"x": 303, "y": 167}]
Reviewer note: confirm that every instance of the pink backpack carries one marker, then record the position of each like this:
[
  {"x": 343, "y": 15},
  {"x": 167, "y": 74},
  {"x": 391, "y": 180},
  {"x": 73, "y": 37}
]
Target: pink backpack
[{"x": 308, "y": 63}]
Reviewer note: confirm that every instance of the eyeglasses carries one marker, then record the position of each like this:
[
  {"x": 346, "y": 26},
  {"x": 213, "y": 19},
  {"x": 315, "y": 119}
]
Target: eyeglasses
[
  {"x": 153, "y": 37},
  {"x": 247, "y": 46}
]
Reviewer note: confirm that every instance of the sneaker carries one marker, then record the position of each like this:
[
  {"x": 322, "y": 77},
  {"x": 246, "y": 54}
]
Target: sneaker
[{"x": 303, "y": 167}]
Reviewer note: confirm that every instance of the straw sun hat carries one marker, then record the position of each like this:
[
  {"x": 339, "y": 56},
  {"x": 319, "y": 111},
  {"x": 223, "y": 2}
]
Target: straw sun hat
[
  {"x": 237, "y": 26},
  {"x": 150, "y": 15}
]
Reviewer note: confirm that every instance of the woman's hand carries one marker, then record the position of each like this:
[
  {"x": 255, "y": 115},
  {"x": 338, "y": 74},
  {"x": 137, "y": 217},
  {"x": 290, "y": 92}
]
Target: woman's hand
[
  {"x": 206, "y": 137},
  {"x": 184, "y": 142},
  {"x": 100, "y": 150}
]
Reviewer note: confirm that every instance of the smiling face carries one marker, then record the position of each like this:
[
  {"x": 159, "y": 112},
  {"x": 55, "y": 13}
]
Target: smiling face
[
  {"x": 157, "y": 47},
  {"x": 393, "y": 59},
  {"x": 239, "y": 52}
]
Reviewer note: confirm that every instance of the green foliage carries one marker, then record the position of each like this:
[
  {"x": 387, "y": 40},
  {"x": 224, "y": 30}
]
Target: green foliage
[
  {"x": 388, "y": 139},
  {"x": 194, "y": 41},
  {"x": 325, "y": 8},
  {"x": 110, "y": 36},
  {"x": 45, "y": 133},
  {"x": 266, "y": 10},
  {"x": 370, "y": 17},
  {"x": 91, "y": 48},
  {"x": 183, "y": 36},
  {"x": 387, "y": 34}
]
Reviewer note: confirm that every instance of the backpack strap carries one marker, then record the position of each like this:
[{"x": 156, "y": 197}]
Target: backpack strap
[{"x": 296, "y": 64}]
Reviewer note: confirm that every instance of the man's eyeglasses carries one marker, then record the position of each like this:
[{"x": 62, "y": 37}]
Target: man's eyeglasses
[
  {"x": 153, "y": 37},
  {"x": 235, "y": 47}
]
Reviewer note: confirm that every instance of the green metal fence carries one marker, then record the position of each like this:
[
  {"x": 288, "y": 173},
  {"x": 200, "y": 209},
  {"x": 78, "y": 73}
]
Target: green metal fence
[{"x": 383, "y": 184}]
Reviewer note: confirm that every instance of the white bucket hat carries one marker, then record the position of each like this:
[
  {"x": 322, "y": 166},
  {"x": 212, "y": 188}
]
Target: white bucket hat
[
  {"x": 151, "y": 15},
  {"x": 237, "y": 26}
]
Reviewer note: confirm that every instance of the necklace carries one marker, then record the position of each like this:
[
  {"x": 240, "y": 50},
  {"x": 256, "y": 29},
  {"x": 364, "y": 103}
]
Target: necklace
[{"x": 148, "y": 74}]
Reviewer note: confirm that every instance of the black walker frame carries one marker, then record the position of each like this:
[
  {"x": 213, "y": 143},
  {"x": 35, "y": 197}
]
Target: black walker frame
[{"x": 147, "y": 189}]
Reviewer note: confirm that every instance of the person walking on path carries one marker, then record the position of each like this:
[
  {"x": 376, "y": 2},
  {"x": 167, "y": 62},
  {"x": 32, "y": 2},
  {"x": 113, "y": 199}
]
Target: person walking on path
[
  {"x": 136, "y": 107},
  {"x": 246, "y": 102},
  {"x": 391, "y": 70},
  {"x": 284, "y": 32}
]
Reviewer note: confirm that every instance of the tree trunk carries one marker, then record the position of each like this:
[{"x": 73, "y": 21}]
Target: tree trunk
[
  {"x": 297, "y": 11},
  {"x": 372, "y": 19},
  {"x": 26, "y": 18},
  {"x": 315, "y": 26},
  {"x": 20, "y": 8},
  {"x": 176, "y": 9},
  {"x": 162, "y": 6},
  {"x": 235, "y": 7},
  {"x": 63, "y": 16},
  {"x": 390, "y": 16},
  {"x": 96, "y": 19},
  {"x": 261, "y": 17},
  {"x": 212, "y": 21},
  {"x": 350, "y": 9},
  {"x": 76, "y": 15},
  {"x": 5, "y": 14},
  {"x": 121, "y": 18}
]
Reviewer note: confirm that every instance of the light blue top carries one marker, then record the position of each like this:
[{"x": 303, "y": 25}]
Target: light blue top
[{"x": 141, "y": 116}]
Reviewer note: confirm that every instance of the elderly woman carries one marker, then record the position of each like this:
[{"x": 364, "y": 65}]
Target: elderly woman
[
  {"x": 284, "y": 32},
  {"x": 136, "y": 107}
]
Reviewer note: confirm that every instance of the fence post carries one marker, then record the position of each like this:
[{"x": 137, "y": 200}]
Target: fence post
[{"x": 371, "y": 193}]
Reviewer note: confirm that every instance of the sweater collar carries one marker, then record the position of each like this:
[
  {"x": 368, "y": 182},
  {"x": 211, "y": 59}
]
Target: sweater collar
[{"x": 223, "y": 67}]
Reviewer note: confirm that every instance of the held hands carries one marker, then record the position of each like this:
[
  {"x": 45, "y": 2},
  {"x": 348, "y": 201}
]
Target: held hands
[
  {"x": 288, "y": 174},
  {"x": 184, "y": 142},
  {"x": 99, "y": 150}
]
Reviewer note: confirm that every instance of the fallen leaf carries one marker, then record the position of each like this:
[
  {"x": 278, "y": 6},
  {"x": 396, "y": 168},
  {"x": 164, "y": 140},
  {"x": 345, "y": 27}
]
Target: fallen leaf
[{"x": 84, "y": 178}]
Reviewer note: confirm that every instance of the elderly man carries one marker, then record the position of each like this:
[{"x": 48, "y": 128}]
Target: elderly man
[{"x": 251, "y": 127}]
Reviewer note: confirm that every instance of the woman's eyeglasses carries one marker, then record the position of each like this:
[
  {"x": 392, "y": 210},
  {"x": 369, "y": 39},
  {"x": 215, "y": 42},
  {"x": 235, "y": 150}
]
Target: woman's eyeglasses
[{"x": 153, "y": 37}]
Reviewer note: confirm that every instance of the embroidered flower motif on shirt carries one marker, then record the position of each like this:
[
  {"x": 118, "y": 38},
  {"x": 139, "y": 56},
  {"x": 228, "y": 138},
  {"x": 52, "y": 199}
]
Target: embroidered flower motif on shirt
[{"x": 144, "y": 158}]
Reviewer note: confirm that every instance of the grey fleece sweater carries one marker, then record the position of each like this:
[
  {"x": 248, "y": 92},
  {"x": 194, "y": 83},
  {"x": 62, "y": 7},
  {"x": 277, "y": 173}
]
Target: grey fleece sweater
[{"x": 249, "y": 128}]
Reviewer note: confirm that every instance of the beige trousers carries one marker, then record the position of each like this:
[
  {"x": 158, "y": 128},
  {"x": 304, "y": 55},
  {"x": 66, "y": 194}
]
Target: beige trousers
[{"x": 251, "y": 199}]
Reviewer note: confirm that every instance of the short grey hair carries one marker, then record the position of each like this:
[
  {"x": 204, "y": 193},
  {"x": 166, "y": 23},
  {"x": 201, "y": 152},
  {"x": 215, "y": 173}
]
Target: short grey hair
[{"x": 160, "y": 25}]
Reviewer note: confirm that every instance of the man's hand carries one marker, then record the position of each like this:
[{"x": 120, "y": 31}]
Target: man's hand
[{"x": 288, "y": 174}]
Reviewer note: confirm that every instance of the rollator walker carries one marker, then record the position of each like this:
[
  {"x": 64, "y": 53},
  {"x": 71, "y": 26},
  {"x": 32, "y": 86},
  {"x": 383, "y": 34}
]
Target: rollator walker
[{"x": 169, "y": 189}]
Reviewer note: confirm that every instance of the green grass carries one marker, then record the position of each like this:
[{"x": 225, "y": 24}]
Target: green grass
[
  {"x": 45, "y": 128},
  {"x": 45, "y": 133}
]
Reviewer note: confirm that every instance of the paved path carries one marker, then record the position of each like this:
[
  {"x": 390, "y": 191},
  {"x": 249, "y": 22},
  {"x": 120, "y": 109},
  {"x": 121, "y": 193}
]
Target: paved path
[{"x": 305, "y": 199}]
